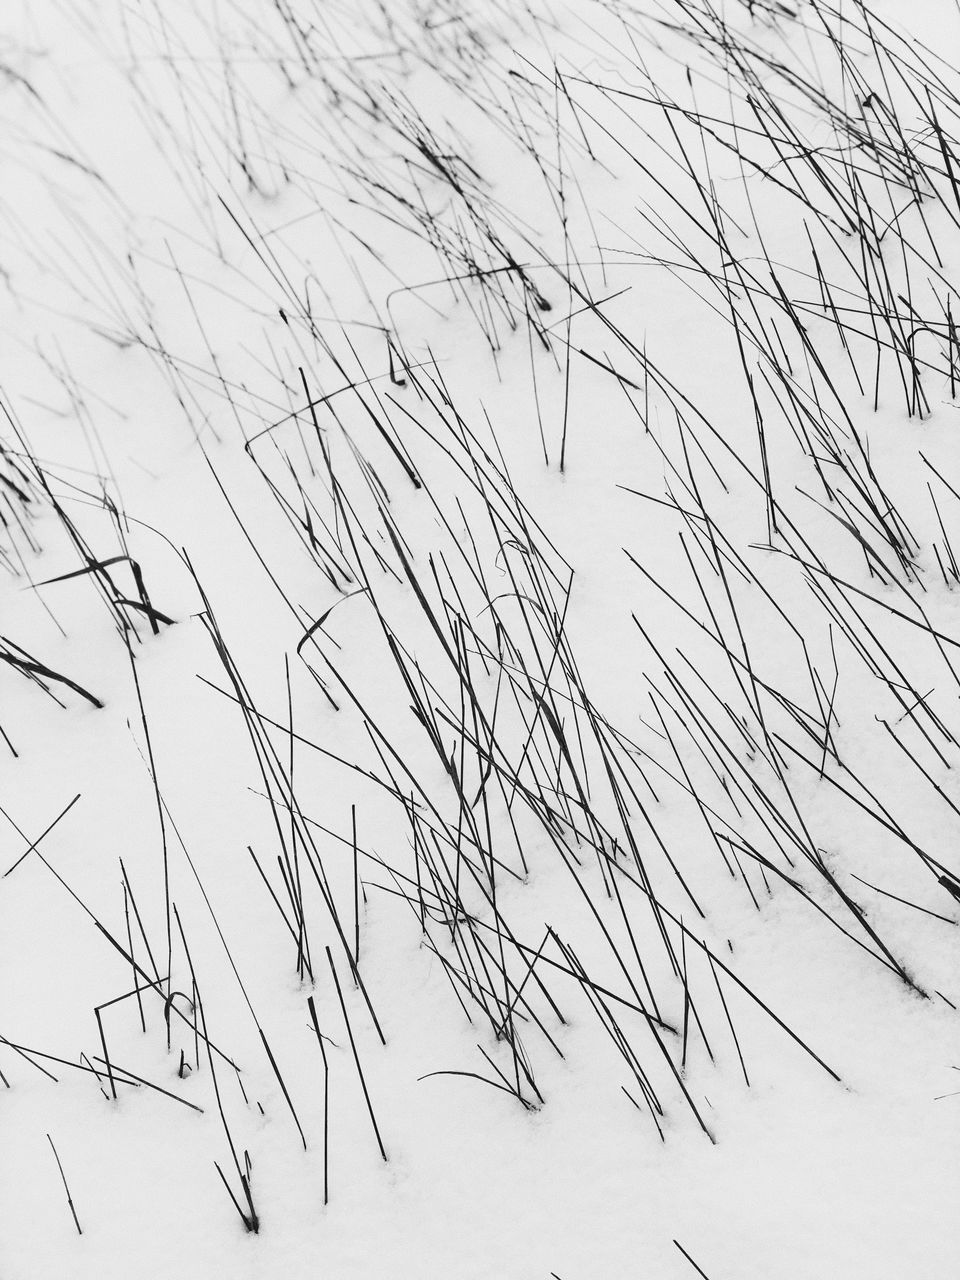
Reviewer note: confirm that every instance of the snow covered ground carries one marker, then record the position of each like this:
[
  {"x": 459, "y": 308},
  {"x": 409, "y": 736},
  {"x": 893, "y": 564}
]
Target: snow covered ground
[{"x": 480, "y": 649}]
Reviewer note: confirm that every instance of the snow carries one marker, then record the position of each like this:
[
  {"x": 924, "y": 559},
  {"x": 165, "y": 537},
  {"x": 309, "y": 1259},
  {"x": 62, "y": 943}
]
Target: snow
[{"x": 214, "y": 211}]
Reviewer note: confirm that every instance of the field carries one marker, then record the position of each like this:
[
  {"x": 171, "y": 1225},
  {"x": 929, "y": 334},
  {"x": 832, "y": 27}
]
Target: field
[{"x": 480, "y": 640}]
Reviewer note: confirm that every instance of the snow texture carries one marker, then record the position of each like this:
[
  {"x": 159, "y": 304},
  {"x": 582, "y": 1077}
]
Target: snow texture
[{"x": 480, "y": 651}]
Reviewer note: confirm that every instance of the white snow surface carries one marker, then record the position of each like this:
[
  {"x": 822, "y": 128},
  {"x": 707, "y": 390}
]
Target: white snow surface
[{"x": 660, "y": 712}]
